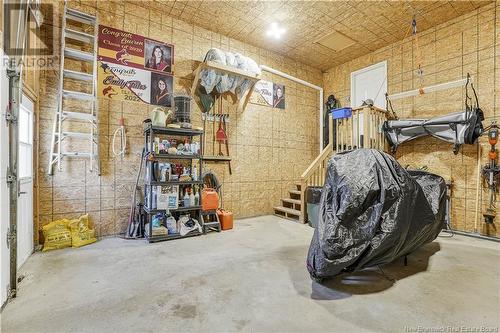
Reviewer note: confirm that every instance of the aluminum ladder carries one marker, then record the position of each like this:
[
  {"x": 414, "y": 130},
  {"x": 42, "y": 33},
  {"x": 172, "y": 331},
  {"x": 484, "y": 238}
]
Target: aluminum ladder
[{"x": 87, "y": 119}]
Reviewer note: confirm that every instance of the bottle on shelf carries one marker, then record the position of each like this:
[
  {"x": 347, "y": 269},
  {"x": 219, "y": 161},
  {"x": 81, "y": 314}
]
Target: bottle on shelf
[
  {"x": 186, "y": 198},
  {"x": 191, "y": 198},
  {"x": 154, "y": 198},
  {"x": 194, "y": 173},
  {"x": 156, "y": 145},
  {"x": 196, "y": 198}
]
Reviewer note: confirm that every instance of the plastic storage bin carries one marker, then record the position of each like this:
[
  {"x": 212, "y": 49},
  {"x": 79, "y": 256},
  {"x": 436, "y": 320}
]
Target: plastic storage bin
[{"x": 342, "y": 113}]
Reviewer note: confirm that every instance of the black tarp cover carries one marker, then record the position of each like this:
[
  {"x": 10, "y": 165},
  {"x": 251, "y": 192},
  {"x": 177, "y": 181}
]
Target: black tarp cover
[{"x": 373, "y": 211}]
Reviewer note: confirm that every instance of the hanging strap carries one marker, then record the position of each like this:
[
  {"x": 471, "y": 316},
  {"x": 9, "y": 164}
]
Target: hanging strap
[{"x": 420, "y": 71}]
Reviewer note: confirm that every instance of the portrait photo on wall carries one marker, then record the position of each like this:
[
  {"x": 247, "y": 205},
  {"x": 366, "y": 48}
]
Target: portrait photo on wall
[
  {"x": 161, "y": 89},
  {"x": 278, "y": 96},
  {"x": 158, "y": 56}
]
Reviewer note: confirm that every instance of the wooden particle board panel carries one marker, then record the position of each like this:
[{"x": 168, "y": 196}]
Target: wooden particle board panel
[
  {"x": 451, "y": 50},
  {"x": 258, "y": 135}
]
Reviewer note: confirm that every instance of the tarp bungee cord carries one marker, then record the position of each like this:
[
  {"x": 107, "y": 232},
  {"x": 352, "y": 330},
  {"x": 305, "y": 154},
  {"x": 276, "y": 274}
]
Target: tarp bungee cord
[{"x": 420, "y": 70}]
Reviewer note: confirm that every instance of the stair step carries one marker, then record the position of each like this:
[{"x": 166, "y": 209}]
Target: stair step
[
  {"x": 78, "y": 115},
  {"x": 292, "y": 201},
  {"x": 294, "y": 192},
  {"x": 288, "y": 210},
  {"x": 79, "y": 35},
  {"x": 78, "y": 55},
  {"x": 77, "y": 95},
  {"x": 294, "y": 219},
  {"x": 79, "y": 16},
  {"x": 78, "y": 75}
]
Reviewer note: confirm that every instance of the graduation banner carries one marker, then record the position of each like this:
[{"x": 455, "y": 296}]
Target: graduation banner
[
  {"x": 267, "y": 93},
  {"x": 134, "y": 68},
  {"x": 262, "y": 93}
]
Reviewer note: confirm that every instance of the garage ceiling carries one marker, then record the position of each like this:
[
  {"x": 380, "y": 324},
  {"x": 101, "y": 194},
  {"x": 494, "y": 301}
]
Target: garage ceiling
[{"x": 371, "y": 24}]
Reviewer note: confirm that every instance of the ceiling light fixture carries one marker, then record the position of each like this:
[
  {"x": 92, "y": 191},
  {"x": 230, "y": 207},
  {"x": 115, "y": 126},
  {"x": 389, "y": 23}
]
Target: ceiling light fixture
[{"x": 275, "y": 31}]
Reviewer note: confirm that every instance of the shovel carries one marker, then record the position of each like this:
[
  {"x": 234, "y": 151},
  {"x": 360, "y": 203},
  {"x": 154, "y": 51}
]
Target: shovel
[{"x": 207, "y": 101}]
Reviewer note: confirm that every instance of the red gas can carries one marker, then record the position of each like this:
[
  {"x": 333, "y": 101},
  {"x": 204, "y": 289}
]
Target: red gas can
[
  {"x": 209, "y": 199},
  {"x": 225, "y": 218}
]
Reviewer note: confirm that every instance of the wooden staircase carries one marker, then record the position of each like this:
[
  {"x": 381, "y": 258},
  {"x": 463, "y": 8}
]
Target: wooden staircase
[
  {"x": 291, "y": 207},
  {"x": 348, "y": 135}
]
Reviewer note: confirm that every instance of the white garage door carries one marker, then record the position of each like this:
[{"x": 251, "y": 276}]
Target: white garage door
[{"x": 4, "y": 190}]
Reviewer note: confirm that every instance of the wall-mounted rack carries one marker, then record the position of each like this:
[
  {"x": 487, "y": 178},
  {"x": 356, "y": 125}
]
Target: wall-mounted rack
[
  {"x": 253, "y": 77},
  {"x": 216, "y": 158},
  {"x": 215, "y": 117}
]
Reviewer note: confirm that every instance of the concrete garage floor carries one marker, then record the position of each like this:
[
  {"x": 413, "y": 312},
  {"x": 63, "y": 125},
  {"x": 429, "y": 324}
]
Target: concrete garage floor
[{"x": 252, "y": 278}]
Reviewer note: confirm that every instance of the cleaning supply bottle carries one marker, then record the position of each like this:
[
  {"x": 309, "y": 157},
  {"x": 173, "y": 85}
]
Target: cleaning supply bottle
[
  {"x": 194, "y": 174},
  {"x": 196, "y": 198},
  {"x": 186, "y": 198},
  {"x": 191, "y": 198}
]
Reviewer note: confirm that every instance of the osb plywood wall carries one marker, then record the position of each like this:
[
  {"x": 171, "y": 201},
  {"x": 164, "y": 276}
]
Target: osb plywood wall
[
  {"x": 468, "y": 44},
  {"x": 270, "y": 147}
]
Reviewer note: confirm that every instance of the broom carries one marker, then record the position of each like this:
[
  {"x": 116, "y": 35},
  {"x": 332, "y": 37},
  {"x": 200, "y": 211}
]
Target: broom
[{"x": 134, "y": 228}]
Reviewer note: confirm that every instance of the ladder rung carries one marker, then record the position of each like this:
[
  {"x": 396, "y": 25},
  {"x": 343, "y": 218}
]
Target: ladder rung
[
  {"x": 76, "y": 154},
  {"x": 78, "y": 55},
  {"x": 77, "y": 95},
  {"x": 78, "y": 115},
  {"x": 77, "y": 135},
  {"x": 79, "y": 35},
  {"x": 211, "y": 223},
  {"x": 77, "y": 75},
  {"x": 79, "y": 16}
]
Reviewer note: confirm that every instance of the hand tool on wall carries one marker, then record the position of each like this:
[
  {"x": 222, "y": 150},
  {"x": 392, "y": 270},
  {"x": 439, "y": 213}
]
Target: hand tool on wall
[
  {"x": 213, "y": 128},
  {"x": 221, "y": 135},
  {"x": 491, "y": 173},
  {"x": 135, "y": 227},
  {"x": 207, "y": 101},
  {"x": 227, "y": 144},
  {"x": 123, "y": 138}
]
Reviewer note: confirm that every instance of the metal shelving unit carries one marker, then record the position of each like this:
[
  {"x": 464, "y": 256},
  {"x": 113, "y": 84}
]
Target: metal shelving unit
[
  {"x": 149, "y": 134},
  {"x": 180, "y": 209}
]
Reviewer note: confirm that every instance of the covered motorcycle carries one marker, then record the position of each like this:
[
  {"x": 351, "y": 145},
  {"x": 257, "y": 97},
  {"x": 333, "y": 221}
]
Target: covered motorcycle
[{"x": 373, "y": 211}]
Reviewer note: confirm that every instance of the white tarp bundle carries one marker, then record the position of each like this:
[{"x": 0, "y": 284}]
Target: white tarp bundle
[{"x": 224, "y": 82}]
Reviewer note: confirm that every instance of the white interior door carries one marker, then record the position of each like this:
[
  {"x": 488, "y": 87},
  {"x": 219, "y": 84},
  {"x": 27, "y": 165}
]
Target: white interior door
[
  {"x": 369, "y": 83},
  {"x": 4, "y": 190},
  {"x": 25, "y": 171}
]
